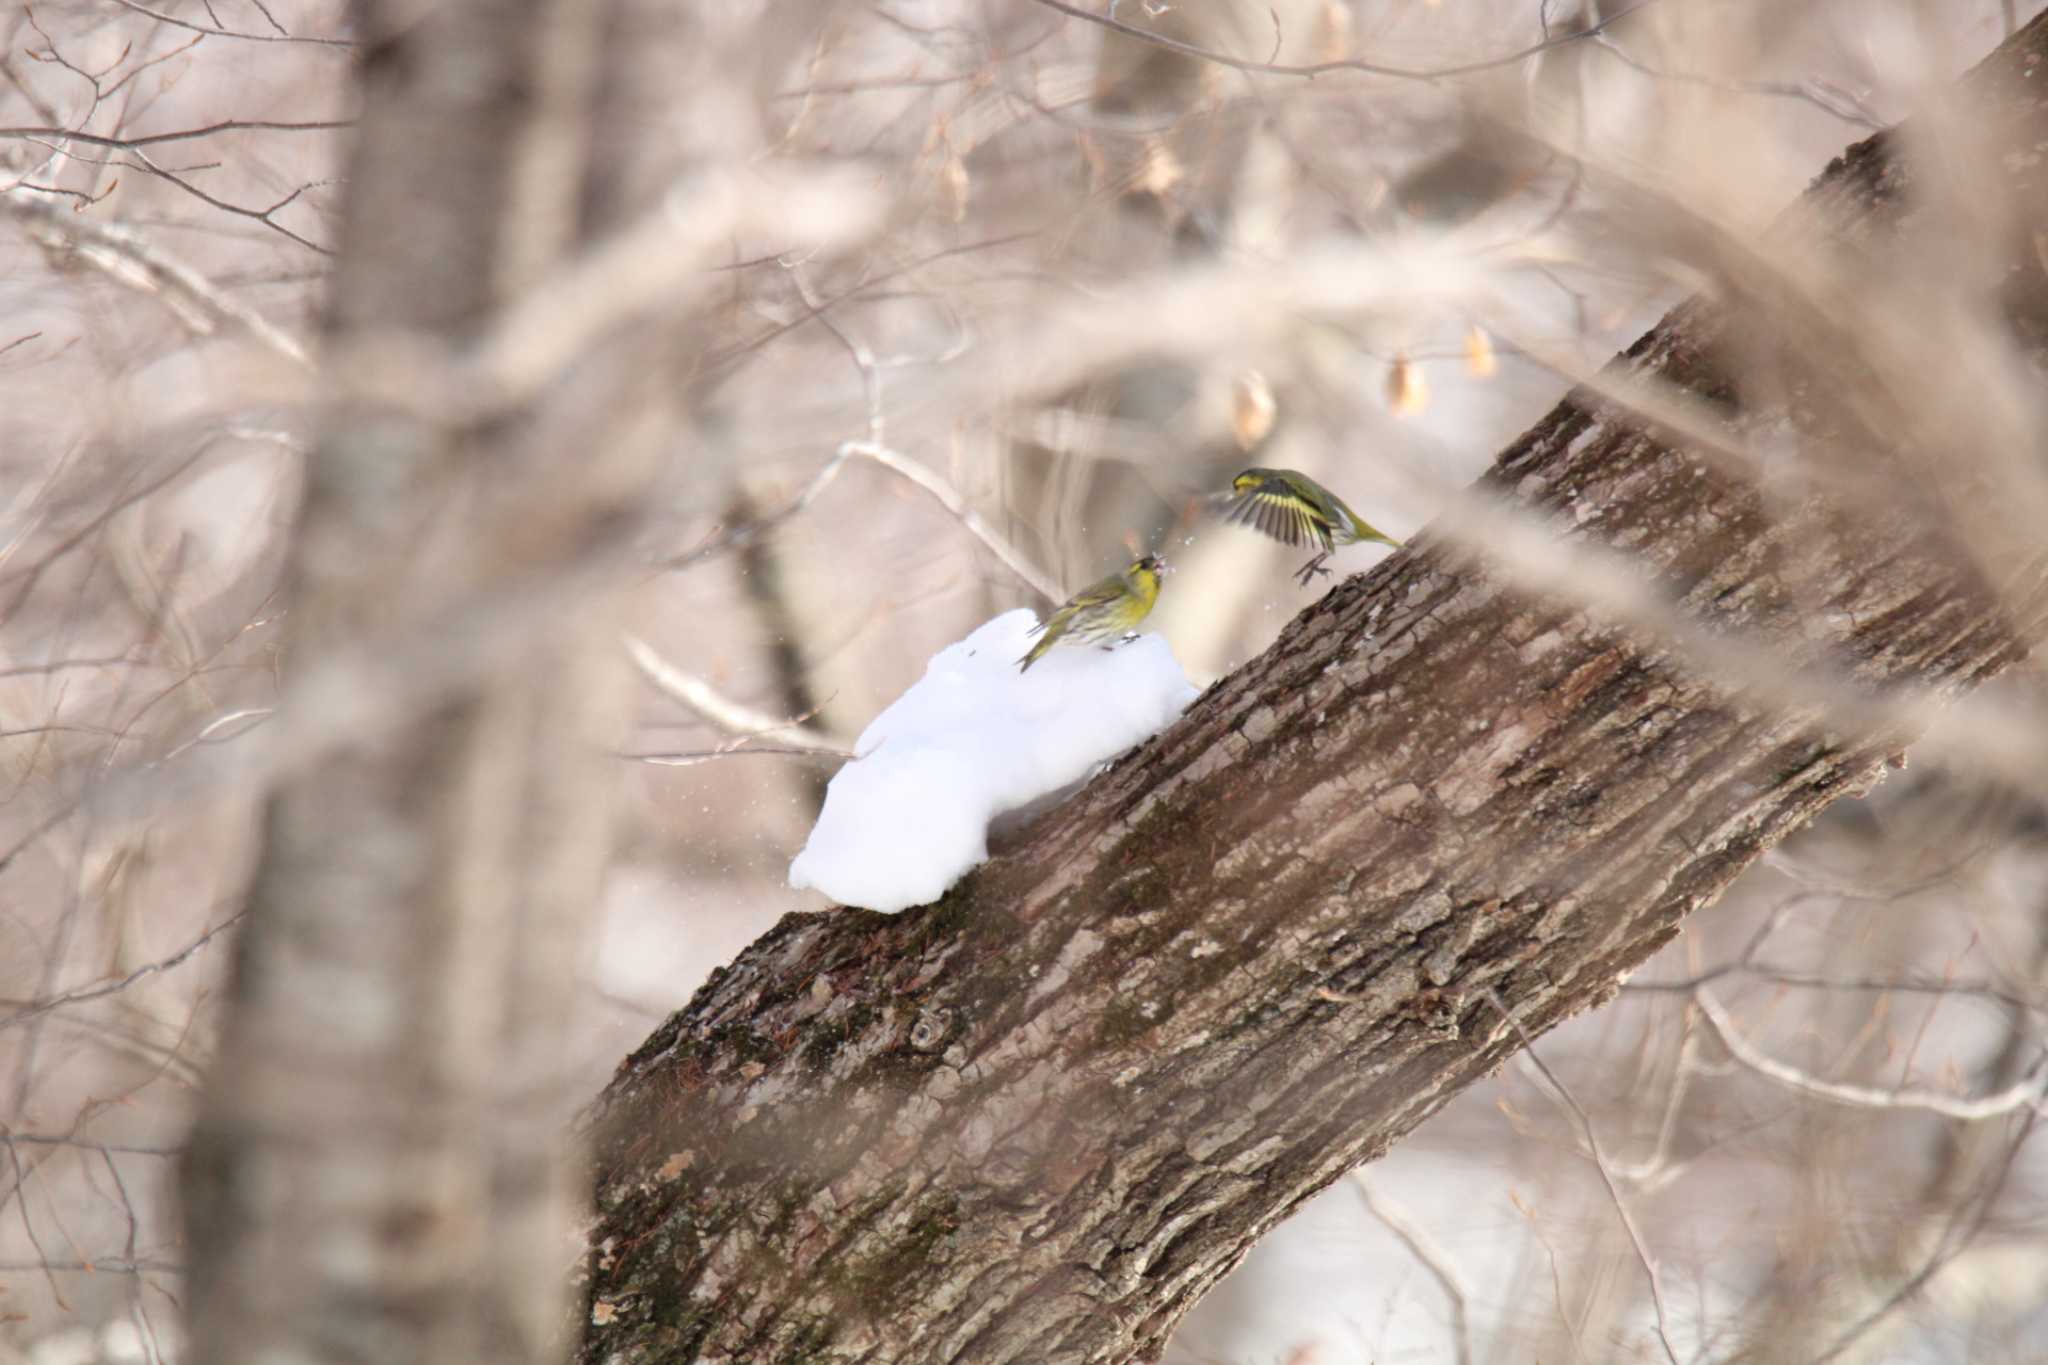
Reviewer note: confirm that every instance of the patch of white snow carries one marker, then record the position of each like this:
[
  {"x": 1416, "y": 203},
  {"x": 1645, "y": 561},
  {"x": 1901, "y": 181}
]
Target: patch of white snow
[{"x": 908, "y": 816}]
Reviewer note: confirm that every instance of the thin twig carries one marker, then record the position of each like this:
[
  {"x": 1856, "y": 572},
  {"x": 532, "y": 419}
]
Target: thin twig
[
  {"x": 210, "y": 732},
  {"x": 1861, "y": 985},
  {"x": 1822, "y": 95},
  {"x": 718, "y": 360},
  {"x": 690, "y": 758},
  {"x": 2027, "y": 1094},
  {"x": 1346, "y": 64},
  {"x": 38, "y": 1008},
  {"x": 876, "y": 449},
  {"x": 655, "y": 265},
  {"x": 1556, "y": 1274},
  {"x": 1585, "y": 1123},
  {"x": 1421, "y": 1246},
  {"x": 156, "y": 269},
  {"x": 949, "y": 498},
  {"x": 1954, "y": 1240},
  {"x": 65, "y": 665},
  {"x": 127, "y": 144},
  {"x": 176, "y": 22},
  {"x": 85, "y": 1144},
  {"x": 265, "y": 216},
  {"x": 701, "y": 697},
  {"x": 742, "y": 533},
  {"x": 104, "y": 1265},
  {"x": 28, "y": 1227},
  {"x": 946, "y": 495}
]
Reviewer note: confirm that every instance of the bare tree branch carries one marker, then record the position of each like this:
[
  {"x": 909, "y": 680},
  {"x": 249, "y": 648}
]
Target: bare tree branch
[
  {"x": 81, "y": 994},
  {"x": 2026, "y": 1094},
  {"x": 1431, "y": 1257},
  {"x": 114, "y": 245},
  {"x": 1956, "y": 1237},
  {"x": 213, "y": 32},
  {"x": 1313, "y": 69},
  {"x": 130, "y": 143},
  {"x": 1599, "y": 1158},
  {"x": 721, "y": 711}
]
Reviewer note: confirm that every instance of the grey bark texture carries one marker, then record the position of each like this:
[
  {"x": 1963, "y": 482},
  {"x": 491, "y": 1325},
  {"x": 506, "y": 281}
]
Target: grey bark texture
[{"x": 1037, "y": 1120}]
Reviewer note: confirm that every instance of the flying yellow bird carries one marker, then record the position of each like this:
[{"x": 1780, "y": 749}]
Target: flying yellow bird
[
  {"x": 1294, "y": 509},
  {"x": 1101, "y": 612}
]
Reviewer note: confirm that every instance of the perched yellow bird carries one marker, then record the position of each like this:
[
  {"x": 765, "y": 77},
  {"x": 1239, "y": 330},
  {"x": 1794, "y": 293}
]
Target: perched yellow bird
[
  {"x": 1294, "y": 509},
  {"x": 1100, "y": 612}
]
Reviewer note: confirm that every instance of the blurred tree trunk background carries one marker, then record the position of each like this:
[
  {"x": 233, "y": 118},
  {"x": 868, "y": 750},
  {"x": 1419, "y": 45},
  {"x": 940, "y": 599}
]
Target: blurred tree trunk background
[{"x": 378, "y": 1171}]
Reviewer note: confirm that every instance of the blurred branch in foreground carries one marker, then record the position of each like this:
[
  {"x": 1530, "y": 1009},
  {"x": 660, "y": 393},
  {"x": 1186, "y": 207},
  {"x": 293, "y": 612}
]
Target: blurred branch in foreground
[{"x": 378, "y": 1170}]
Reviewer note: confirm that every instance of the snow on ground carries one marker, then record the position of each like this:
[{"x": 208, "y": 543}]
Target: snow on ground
[{"x": 975, "y": 737}]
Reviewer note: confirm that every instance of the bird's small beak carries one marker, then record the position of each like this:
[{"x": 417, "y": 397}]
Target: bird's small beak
[{"x": 1164, "y": 568}]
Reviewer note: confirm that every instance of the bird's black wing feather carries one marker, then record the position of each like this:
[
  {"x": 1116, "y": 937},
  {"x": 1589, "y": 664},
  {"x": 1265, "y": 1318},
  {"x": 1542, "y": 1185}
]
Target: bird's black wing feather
[
  {"x": 1287, "y": 521},
  {"x": 1241, "y": 510},
  {"x": 1279, "y": 513}
]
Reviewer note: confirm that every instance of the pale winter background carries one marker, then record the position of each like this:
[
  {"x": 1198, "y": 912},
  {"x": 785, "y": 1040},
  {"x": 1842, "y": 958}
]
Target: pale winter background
[{"x": 1814, "y": 1106}]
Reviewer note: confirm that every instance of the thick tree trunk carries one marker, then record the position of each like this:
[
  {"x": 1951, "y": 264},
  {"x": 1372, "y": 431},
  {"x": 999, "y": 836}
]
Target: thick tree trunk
[
  {"x": 1035, "y": 1121},
  {"x": 378, "y": 1170}
]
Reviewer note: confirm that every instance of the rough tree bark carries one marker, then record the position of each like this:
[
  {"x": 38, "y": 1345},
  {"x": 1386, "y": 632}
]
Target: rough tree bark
[{"x": 1035, "y": 1121}]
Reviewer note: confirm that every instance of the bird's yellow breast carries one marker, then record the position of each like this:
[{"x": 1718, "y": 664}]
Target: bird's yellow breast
[{"x": 1145, "y": 583}]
